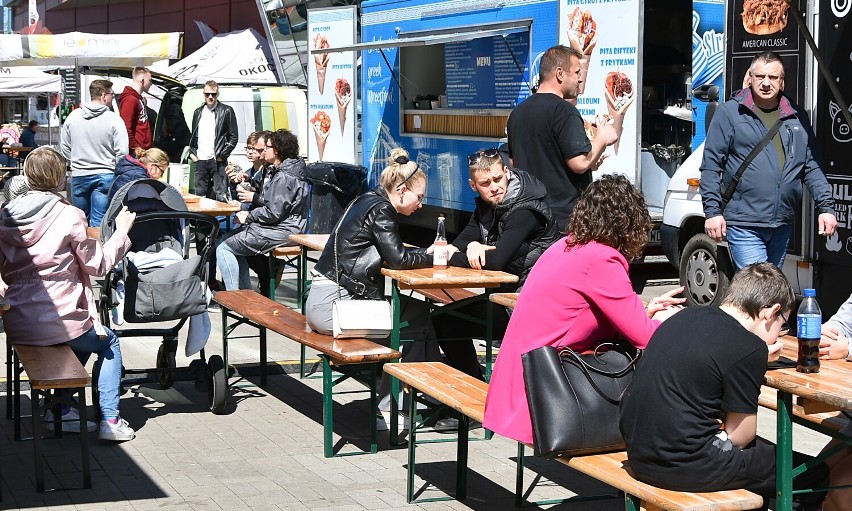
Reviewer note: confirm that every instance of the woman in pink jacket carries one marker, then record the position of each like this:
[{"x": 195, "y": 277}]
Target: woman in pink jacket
[
  {"x": 46, "y": 262},
  {"x": 577, "y": 294}
]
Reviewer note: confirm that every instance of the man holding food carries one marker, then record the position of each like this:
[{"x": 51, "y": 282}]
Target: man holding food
[
  {"x": 757, "y": 214},
  {"x": 547, "y": 137}
]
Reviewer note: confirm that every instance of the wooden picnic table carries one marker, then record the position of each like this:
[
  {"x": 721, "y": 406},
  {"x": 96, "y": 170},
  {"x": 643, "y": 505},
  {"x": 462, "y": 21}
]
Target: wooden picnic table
[
  {"x": 212, "y": 207},
  {"x": 829, "y": 389}
]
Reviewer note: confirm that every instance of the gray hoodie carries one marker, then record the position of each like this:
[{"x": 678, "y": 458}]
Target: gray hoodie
[{"x": 93, "y": 139}]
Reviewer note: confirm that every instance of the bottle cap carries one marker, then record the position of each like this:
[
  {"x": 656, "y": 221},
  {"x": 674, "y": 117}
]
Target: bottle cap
[{"x": 810, "y": 292}]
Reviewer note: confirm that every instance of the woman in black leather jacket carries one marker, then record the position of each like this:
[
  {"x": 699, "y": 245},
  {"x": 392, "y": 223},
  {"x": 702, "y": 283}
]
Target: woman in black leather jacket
[{"x": 367, "y": 235}]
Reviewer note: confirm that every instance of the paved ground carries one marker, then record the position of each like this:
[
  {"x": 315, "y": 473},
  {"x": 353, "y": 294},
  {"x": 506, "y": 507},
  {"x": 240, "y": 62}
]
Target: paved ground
[{"x": 265, "y": 452}]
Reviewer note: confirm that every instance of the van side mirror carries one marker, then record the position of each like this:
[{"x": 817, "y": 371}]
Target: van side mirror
[{"x": 708, "y": 93}]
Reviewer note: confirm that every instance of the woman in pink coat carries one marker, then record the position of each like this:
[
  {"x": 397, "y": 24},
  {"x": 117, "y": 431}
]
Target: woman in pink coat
[
  {"x": 577, "y": 294},
  {"x": 46, "y": 263}
]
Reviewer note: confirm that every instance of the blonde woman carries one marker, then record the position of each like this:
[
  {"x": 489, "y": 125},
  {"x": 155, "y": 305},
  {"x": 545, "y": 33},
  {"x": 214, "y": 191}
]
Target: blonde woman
[
  {"x": 148, "y": 163},
  {"x": 368, "y": 236}
]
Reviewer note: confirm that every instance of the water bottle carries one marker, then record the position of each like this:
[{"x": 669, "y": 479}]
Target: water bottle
[
  {"x": 441, "y": 253},
  {"x": 808, "y": 330}
]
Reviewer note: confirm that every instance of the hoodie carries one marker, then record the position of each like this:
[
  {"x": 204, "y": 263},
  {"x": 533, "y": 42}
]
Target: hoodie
[
  {"x": 46, "y": 261},
  {"x": 132, "y": 110},
  {"x": 93, "y": 139}
]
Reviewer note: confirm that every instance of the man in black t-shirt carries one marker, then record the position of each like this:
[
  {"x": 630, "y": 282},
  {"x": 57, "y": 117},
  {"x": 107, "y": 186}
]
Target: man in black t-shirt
[
  {"x": 547, "y": 137},
  {"x": 689, "y": 417}
]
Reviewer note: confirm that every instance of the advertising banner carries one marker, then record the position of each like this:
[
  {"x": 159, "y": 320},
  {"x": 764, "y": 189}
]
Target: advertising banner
[
  {"x": 14, "y": 47},
  {"x": 609, "y": 35},
  {"x": 708, "y": 56},
  {"x": 331, "y": 85}
]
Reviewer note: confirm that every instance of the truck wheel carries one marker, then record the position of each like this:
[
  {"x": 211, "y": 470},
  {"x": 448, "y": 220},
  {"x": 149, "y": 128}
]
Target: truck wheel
[{"x": 703, "y": 273}]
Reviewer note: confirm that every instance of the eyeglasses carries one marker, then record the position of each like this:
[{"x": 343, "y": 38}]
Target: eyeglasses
[
  {"x": 420, "y": 197},
  {"x": 250, "y": 149},
  {"x": 211, "y": 94},
  {"x": 474, "y": 158}
]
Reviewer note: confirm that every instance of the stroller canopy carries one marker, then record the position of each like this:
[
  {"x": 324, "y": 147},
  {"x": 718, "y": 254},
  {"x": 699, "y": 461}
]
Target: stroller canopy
[{"x": 141, "y": 196}]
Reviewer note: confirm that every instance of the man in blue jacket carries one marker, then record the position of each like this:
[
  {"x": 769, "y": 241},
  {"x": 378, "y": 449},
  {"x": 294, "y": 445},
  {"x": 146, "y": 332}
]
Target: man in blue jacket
[{"x": 758, "y": 221}]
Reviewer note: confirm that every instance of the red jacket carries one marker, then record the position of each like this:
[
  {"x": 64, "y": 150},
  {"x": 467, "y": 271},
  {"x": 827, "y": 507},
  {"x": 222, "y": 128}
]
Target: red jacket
[{"x": 132, "y": 111}]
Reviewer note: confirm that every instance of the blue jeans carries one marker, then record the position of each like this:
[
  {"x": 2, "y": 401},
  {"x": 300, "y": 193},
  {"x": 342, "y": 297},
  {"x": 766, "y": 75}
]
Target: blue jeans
[
  {"x": 108, "y": 366},
  {"x": 91, "y": 194},
  {"x": 758, "y": 244},
  {"x": 233, "y": 267}
]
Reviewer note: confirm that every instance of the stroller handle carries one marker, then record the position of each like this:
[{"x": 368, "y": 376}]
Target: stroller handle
[{"x": 181, "y": 215}]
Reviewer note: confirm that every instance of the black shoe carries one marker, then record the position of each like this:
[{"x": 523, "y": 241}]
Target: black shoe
[{"x": 451, "y": 424}]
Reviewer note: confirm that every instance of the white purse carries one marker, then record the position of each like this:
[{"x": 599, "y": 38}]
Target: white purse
[{"x": 362, "y": 319}]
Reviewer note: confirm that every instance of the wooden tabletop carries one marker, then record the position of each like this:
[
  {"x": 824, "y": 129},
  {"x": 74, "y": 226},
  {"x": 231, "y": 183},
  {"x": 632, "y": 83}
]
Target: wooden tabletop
[
  {"x": 504, "y": 299},
  {"x": 430, "y": 278},
  {"x": 310, "y": 241},
  {"x": 212, "y": 207},
  {"x": 830, "y": 388}
]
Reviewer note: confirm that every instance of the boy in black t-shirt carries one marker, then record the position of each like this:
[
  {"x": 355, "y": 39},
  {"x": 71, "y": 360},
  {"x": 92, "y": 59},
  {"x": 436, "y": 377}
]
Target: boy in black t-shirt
[{"x": 689, "y": 417}]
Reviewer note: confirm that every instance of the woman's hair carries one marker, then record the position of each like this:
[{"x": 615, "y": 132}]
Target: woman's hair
[
  {"x": 759, "y": 285},
  {"x": 611, "y": 211},
  {"x": 153, "y": 155},
  {"x": 285, "y": 144},
  {"x": 45, "y": 169},
  {"x": 400, "y": 170}
]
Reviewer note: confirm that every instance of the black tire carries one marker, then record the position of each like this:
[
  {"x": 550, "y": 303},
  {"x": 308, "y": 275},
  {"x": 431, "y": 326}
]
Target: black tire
[
  {"x": 217, "y": 392},
  {"x": 166, "y": 360},
  {"x": 705, "y": 271}
]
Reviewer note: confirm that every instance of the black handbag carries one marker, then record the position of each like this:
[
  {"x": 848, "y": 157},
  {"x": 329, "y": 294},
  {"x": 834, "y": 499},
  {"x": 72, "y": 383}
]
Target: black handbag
[{"x": 573, "y": 398}]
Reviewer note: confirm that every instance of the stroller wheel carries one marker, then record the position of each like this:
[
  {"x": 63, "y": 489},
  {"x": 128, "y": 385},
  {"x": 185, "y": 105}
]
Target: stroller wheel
[
  {"x": 166, "y": 360},
  {"x": 217, "y": 392}
]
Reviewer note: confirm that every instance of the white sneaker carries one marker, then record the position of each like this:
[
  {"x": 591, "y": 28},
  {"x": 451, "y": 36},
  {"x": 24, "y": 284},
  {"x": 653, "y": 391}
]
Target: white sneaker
[
  {"x": 118, "y": 432},
  {"x": 70, "y": 422},
  {"x": 383, "y": 419}
]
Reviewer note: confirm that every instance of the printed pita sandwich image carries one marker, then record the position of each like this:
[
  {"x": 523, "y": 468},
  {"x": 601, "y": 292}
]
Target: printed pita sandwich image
[
  {"x": 343, "y": 94},
  {"x": 321, "y": 123},
  {"x": 591, "y": 126},
  {"x": 582, "y": 30},
  {"x": 763, "y": 17},
  {"x": 620, "y": 94},
  {"x": 321, "y": 60}
]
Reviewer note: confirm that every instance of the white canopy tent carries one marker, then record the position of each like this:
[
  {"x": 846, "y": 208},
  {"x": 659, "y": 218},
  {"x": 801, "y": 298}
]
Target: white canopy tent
[
  {"x": 81, "y": 49},
  {"x": 242, "y": 56},
  {"x": 27, "y": 81}
]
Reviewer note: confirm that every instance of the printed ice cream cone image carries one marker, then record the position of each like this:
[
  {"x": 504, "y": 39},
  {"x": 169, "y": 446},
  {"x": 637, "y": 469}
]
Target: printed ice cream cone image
[
  {"x": 343, "y": 93},
  {"x": 321, "y": 60},
  {"x": 322, "y": 126}
]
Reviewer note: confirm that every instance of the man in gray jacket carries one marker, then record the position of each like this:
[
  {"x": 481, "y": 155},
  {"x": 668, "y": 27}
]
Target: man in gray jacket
[
  {"x": 758, "y": 221},
  {"x": 93, "y": 140}
]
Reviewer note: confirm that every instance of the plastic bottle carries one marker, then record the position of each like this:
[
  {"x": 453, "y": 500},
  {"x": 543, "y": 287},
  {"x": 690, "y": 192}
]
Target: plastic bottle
[
  {"x": 808, "y": 330},
  {"x": 440, "y": 255}
]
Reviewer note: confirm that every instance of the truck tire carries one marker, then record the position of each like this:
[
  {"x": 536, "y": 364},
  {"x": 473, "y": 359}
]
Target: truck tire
[{"x": 705, "y": 271}]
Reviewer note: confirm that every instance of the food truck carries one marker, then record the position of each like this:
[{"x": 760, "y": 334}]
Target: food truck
[{"x": 440, "y": 78}]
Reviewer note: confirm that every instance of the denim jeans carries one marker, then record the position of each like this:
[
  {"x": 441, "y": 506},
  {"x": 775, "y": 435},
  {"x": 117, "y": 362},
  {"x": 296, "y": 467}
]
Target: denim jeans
[
  {"x": 758, "y": 244},
  {"x": 210, "y": 180},
  {"x": 91, "y": 194},
  {"x": 233, "y": 267},
  {"x": 108, "y": 366}
]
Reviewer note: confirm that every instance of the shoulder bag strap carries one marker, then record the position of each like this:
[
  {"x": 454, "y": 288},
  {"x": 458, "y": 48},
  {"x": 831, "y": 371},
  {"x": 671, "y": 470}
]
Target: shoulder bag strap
[
  {"x": 336, "y": 231},
  {"x": 729, "y": 191}
]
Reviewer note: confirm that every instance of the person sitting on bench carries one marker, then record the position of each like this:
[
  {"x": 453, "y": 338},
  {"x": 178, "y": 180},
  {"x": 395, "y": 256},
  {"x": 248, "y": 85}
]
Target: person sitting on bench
[
  {"x": 689, "y": 417},
  {"x": 47, "y": 261}
]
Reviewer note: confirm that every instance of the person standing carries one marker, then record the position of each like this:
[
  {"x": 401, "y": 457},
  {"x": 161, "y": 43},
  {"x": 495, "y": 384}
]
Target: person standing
[
  {"x": 547, "y": 137},
  {"x": 758, "y": 220},
  {"x": 93, "y": 140},
  {"x": 27, "y": 138},
  {"x": 214, "y": 136},
  {"x": 134, "y": 113}
]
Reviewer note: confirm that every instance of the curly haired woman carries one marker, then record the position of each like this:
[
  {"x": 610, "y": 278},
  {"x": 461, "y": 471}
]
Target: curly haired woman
[{"x": 578, "y": 294}]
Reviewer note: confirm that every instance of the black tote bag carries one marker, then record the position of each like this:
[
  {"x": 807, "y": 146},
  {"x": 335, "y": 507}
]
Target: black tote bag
[{"x": 574, "y": 398}]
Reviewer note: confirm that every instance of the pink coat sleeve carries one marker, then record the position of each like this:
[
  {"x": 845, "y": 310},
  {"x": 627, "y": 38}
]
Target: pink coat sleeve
[
  {"x": 610, "y": 291},
  {"x": 96, "y": 259}
]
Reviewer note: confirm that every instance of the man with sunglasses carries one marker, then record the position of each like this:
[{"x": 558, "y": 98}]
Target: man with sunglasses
[
  {"x": 508, "y": 231},
  {"x": 214, "y": 137},
  {"x": 547, "y": 137}
]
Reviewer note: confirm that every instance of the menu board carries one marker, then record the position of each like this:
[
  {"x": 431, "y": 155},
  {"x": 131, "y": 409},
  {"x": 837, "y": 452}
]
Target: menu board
[{"x": 485, "y": 72}]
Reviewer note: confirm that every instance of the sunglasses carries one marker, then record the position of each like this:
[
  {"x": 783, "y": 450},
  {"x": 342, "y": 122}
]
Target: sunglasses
[
  {"x": 474, "y": 158},
  {"x": 211, "y": 94}
]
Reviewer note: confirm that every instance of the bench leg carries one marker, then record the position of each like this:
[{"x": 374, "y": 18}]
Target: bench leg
[
  {"x": 16, "y": 391},
  {"x": 519, "y": 476},
  {"x": 412, "y": 444},
  {"x": 39, "y": 459},
  {"x": 263, "y": 358},
  {"x": 374, "y": 405},
  {"x": 327, "y": 408},
  {"x": 461, "y": 458},
  {"x": 273, "y": 270},
  {"x": 9, "y": 393},
  {"x": 632, "y": 503},
  {"x": 84, "y": 437}
]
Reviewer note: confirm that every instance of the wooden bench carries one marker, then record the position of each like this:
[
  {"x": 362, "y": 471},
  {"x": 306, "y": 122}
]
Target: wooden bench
[
  {"x": 279, "y": 258},
  {"x": 248, "y": 307},
  {"x": 466, "y": 395},
  {"x": 49, "y": 369},
  {"x": 505, "y": 299},
  {"x": 830, "y": 421}
]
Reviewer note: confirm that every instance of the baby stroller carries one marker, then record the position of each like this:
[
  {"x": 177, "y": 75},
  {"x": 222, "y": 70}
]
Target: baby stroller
[{"x": 158, "y": 281}]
